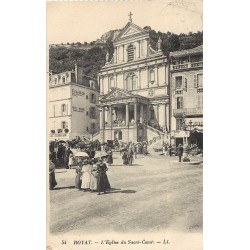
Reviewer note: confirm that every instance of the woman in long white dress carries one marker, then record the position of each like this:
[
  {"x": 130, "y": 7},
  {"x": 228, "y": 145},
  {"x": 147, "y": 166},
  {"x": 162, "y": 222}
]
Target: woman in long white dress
[
  {"x": 86, "y": 171},
  {"x": 93, "y": 178},
  {"x": 70, "y": 160}
]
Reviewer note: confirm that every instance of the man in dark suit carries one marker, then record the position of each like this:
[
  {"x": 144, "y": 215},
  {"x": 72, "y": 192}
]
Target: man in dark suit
[{"x": 180, "y": 151}]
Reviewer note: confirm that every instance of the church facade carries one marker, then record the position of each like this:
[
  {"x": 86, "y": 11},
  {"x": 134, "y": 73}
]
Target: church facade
[{"x": 134, "y": 88}]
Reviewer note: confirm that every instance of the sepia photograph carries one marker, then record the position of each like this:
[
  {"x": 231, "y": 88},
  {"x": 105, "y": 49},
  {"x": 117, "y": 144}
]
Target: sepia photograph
[{"x": 124, "y": 124}]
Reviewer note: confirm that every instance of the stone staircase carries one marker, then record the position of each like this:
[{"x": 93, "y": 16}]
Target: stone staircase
[
  {"x": 97, "y": 136},
  {"x": 153, "y": 134}
]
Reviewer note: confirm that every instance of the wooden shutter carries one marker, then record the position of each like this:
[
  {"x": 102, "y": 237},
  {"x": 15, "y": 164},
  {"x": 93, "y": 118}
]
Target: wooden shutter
[
  {"x": 181, "y": 102},
  {"x": 183, "y": 81},
  {"x": 195, "y": 81}
]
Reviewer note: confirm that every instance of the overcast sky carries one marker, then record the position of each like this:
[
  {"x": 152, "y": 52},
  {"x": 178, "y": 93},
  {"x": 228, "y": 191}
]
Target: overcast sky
[{"x": 87, "y": 21}]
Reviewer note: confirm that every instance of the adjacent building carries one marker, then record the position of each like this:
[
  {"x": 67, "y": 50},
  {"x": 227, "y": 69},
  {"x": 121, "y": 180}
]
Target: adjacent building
[
  {"x": 186, "y": 77},
  {"x": 141, "y": 94},
  {"x": 134, "y": 88},
  {"x": 72, "y": 105}
]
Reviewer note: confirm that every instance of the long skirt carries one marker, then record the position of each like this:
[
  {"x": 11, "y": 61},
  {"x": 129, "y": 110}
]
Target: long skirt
[
  {"x": 86, "y": 180},
  {"x": 107, "y": 182},
  {"x": 125, "y": 160},
  {"x": 52, "y": 180},
  {"x": 78, "y": 181},
  {"x": 93, "y": 182},
  {"x": 101, "y": 182},
  {"x": 110, "y": 159},
  {"x": 130, "y": 160}
]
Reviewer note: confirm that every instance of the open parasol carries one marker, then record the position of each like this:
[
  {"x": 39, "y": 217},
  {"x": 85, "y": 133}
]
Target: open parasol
[
  {"x": 82, "y": 154},
  {"x": 99, "y": 154}
]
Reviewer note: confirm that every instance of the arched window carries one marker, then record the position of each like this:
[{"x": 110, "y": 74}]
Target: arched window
[
  {"x": 64, "y": 125},
  {"x": 63, "y": 79},
  {"x": 64, "y": 109},
  {"x": 55, "y": 80},
  {"x": 130, "y": 53},
  {"x": 132, "y": 81},
  {"x": 129, "y": 83},
  {"x": 152, "y": 75}
]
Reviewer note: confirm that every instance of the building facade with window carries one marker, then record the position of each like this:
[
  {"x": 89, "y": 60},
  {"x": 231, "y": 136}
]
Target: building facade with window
[
  {"x": 186, "y": 81},
  {"x": 134, "y": 96},
  {"x": 72, "y": 105}
]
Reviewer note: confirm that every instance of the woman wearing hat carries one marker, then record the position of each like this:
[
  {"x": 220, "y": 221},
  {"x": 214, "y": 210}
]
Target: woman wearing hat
[
  {"x": 78, "y": 181},
  {"x": 52, "y": 178},
  {"x": 93, "y": 177},
  {"x": 102, "y": 178},
  {"x": 110, "y": 157},
  {"x": 86, "y": 170}
]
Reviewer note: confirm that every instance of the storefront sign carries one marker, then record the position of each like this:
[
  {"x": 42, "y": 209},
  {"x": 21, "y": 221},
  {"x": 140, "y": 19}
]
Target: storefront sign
[
  {"x": 78, "y": 109},
  {"x": 181, "y": 134},
  {"x": 77, "y": 93}
]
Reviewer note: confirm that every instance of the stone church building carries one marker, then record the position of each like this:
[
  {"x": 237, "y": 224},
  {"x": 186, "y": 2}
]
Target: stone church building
[{"x": 134, "y": 88}]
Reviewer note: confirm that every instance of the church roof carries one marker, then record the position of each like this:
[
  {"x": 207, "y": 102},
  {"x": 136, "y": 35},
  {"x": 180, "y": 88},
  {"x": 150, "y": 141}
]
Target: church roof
[
  {"x": 196, "y": 50},
  {"x": 117, "y": 93},
  {"x": 130, "y": 29}
]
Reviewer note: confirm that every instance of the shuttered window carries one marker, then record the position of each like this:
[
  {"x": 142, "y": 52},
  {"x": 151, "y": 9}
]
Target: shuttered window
[
  {"x": 130, "y": 53},
  {"x": 64, "y": 109},
  {"x": 200, "y": 80},
  {"x": 199, "y": 101},
  {"x": 195, "y": 81},
  {"x": 179, "y": 102},
  {"x": 179, "y": 124},
  {"x": 178, "y": 82}
]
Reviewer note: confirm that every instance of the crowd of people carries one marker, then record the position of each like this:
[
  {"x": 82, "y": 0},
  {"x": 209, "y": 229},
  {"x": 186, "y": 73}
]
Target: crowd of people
[
  {"x": 91, "y": 172},
  {"x": 90, "y": 175}
]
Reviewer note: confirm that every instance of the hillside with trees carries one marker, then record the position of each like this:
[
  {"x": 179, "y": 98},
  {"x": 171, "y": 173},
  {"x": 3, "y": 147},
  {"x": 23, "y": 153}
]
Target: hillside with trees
[{"x": 92, "y": 56}]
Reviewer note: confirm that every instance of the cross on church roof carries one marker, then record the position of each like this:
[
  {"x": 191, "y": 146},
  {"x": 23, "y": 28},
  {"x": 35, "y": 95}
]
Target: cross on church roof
[{"x": 130, "y": 18}]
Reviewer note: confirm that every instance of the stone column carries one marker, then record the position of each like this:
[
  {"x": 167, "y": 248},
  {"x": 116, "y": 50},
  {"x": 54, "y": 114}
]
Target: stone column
[
  {"x": 101, "y": 117},
  {"x": 139, "y": 48},
  {"x": 157, "y": 113},
  {"x": 127, "y": 114},
  {"x": 147, "y": 76},
  {"x": 147, "y": 47},
  {"x": 139, "y": 78},
  {"x": 105, "y": 115},
  {"x": 123, "y": 53},
  {"x": 167, "y": 116},
  {"x": 115, "y": 56},
  {"x": 147, "y": 113},
  {"x": 111, "y": 116},
  {"x": 135, "y": 112},
  {"x": 157, "y": 76},
  {"x": 101, "y": 85},
  {"x": 141, "y": 113},
  {"x": 164, "y": 114}
]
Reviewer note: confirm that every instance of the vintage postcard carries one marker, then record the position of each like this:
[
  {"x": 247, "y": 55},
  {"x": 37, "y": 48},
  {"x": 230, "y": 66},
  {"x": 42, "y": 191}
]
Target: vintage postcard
[{"x": 125, "y": 125}]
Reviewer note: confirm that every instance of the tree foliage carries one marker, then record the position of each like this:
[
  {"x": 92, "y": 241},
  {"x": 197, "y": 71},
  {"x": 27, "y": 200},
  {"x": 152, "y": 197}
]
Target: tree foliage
[{"x": 93, "y": 59}]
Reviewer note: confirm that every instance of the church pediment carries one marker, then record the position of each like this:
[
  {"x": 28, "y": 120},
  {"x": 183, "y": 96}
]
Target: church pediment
[
  {"x": 128, "y": 30},
  {"x": 117, "y": 93}
]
